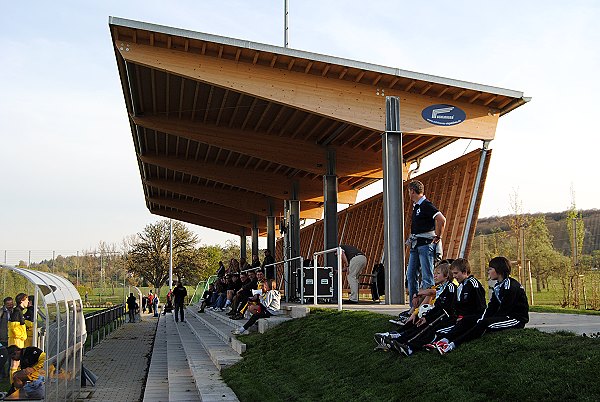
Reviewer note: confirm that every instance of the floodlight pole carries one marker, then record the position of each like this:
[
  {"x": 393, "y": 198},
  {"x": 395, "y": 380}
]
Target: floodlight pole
[{"x": 286, "y": 6}]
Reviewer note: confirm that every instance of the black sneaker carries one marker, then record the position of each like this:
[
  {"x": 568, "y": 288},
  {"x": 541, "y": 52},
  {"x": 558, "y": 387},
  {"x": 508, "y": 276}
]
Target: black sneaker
[{"x": 401, "y": 348}]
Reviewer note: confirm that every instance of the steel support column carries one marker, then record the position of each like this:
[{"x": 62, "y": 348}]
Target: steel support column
[
  {"x": 469, "y": 222},
  {"x": 294, "y": 229},
  {"x": 393, "y": 203},
  {"x": 255, "y": 236},
  {"x": 330, "y": 218},
  {"x": 243, "y": 243}
]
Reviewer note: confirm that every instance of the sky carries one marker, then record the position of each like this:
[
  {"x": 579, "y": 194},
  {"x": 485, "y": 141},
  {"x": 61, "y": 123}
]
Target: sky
[{"x": 68, "y": 173}]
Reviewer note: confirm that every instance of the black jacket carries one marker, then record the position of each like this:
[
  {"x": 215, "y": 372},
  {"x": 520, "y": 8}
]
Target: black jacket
[
  {"x": 444, "y": 300},
  {"x": 509, "y": 299},
  {"x": 30, "y": 356},
  {"x": 179, "y": 294},
  {"x": 470, "y": 298}
]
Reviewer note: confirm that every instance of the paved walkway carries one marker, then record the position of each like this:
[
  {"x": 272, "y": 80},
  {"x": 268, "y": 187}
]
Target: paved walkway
[
  {"x": 547, "y": 322},
  {"x": 121, "y": 361}
]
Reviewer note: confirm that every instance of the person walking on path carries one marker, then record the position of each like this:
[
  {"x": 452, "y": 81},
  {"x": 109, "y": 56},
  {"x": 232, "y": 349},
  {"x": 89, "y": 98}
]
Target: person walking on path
[
  {"x": 426, "y": 228},
  {"x": 150, "y": 302},
  {"x": 179, "y": 294},
  {"x": 353, "y": 261},
  {"x": 132, "y": 307}
]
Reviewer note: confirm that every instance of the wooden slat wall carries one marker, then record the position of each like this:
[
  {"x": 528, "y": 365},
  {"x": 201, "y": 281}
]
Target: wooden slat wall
[{"x": 449, "y": 187}]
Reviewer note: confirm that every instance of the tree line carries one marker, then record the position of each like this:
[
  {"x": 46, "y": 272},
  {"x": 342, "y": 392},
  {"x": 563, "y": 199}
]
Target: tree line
[{"x": 141, "y": 259}]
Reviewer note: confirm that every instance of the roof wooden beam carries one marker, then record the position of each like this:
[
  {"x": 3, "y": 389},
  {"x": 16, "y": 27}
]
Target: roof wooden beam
[
  {"x": 245, "y": 201},
  {"x": 214, "y": 211},
  {"x": 198, "y": 220},
  {"x": 305, "y": 155},
  {"x": 272, "y": 184}
]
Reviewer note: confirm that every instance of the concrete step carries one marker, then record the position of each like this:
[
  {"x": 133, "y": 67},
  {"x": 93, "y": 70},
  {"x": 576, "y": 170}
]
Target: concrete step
[
  {"x": 182, "y": 384},
  {"x": 157, "y": 382},
  {"x": 210, "y": 385},
  {"x": 215, "y": 336}
]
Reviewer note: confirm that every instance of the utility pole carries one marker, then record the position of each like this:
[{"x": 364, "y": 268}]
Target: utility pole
[
  {"x": 286, "y": 6},
  {"x": 170, "y": 254}
]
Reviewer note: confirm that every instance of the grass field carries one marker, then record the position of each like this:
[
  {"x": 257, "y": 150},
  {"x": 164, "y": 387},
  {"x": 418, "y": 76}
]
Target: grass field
[{"x": 328, "y": 356}]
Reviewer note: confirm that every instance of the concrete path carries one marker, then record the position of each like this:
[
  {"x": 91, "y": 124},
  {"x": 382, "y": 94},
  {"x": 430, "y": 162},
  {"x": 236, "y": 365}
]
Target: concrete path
[
  {"x": 577, "y": 323},
  {"x": 121, "y": 361},
  {"x": 547, "y": 322}
]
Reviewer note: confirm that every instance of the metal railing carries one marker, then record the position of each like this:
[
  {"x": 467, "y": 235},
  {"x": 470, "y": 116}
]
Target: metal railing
[
  {"x": 285, "y": 276},
  {"x": 101, "y": 321}
]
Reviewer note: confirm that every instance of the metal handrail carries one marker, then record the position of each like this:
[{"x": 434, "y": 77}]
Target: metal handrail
[
  {"x": 337, "y": 250},
  {"x": 285, "y": 275}
]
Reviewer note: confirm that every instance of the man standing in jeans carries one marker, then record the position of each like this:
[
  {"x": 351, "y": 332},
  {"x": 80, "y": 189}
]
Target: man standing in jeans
[
  {"x": 427, "y": 227},
  {"x": 354, "y": 261}
]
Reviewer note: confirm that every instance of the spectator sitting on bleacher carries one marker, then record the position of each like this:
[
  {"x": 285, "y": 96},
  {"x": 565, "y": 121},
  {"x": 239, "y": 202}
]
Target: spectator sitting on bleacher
[
  {"x": 29, "y": 377},
  {"x": 242, "y": 295},
  {"x": 239, "y": 293},
  {"x": 222, "y": 293},
  {"x": 206, "y": 298},
  {"x": 268, "y": 303},
  {"x": 232, "y": 288},
  {"x": 260, "y": 278}
]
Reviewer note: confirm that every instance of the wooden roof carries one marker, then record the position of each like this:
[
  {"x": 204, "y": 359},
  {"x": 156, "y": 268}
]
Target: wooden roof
[{"x": 225, "y": 128}]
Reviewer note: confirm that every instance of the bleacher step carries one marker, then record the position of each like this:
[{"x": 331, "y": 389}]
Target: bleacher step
[
  {"x": 157, "y": 383},
  {"x": 216, "y": 339},
  {"x": 182, "y": 385},
  {"x": 210, "y": 385}
]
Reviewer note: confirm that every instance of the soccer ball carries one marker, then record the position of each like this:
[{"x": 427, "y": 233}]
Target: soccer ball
[{"x": 424, "y": 308}]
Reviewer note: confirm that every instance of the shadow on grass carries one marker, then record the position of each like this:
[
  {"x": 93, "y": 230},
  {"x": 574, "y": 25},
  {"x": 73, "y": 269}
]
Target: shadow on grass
[{"x": 328, "y": 356}]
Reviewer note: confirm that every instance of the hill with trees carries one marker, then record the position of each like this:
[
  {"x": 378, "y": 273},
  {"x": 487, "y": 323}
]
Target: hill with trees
[{"x": 557, "y": 227}]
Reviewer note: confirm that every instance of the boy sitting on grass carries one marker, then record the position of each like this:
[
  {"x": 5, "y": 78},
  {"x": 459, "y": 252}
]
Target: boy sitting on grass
[
  {"x": 469, "y": 304},
  {"x": 413, "y": 337},
  {"x": 508, "y": 308}
]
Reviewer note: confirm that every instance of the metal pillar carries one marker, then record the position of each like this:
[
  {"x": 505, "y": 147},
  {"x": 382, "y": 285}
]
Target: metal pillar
[
  {"x": 271, "y": 234},
  {"x": 170, "y": 255},
  {"x": 242, "y": 243},
  {"x": 294, "y": 229},
  {"x": 393, "y": 203},
  {"x": 255, "y": 236},
  {"x": 330, "y": 218},
  {"x": 465, "y": 238}
]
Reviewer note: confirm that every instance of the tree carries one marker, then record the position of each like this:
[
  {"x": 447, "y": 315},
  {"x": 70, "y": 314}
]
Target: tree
[
  {"x": 539, "y": 250},
  {"x": 148, "y": 254}
]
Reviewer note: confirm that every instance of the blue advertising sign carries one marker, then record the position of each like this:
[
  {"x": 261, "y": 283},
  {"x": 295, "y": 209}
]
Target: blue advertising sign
[{"x": 443, "y": 115}]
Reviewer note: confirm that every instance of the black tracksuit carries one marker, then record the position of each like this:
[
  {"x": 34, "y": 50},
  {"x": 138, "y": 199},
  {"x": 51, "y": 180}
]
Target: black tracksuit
[
  {"x": 508, "y": 308},
  {"x": 469, "y": 306}
]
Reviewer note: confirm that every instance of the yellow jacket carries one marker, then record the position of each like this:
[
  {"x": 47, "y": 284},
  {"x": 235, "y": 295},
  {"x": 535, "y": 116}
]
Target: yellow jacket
[
  {"x": 17, "y": 334},
  {"x": 29, "y": 330}
]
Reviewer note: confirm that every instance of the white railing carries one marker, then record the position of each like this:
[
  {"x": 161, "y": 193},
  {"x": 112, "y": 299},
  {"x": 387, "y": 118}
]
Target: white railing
[
  {"x": 285, "y": 278},
  {"x": 337, "y": 250}
]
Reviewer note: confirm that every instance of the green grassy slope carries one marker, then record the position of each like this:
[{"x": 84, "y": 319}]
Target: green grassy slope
[{"x": 328, "y": 356}]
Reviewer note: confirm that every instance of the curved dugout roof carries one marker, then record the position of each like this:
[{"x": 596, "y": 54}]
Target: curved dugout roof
[{"x": 224, "y": 128}]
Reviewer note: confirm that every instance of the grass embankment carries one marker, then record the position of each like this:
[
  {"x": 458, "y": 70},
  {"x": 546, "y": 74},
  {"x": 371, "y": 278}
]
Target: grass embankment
[{"x": 328, "y": 356}]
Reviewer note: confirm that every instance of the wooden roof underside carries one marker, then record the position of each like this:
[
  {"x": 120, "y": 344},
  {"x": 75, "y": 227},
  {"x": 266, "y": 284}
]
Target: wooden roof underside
[{"x": 224, "y": 129}]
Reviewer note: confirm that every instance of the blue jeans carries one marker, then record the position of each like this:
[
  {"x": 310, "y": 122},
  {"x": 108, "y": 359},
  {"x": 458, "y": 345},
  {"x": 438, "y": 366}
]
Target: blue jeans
[{"x": 420, "y": 257}]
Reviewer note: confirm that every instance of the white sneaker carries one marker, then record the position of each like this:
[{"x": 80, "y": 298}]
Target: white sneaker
[{"x": 238, "y": 331}]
